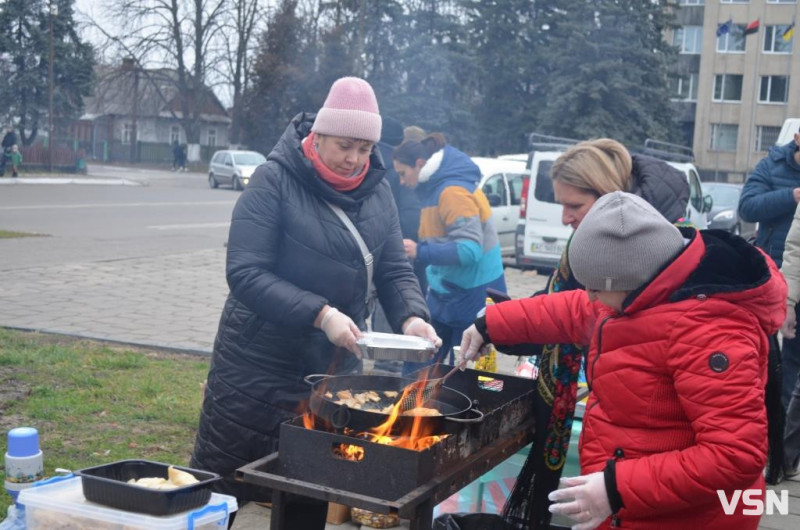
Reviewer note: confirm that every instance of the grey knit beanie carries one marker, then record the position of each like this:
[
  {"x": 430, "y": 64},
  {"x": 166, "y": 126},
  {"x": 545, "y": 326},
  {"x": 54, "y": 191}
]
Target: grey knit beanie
[{"x": 622, "y": 243}]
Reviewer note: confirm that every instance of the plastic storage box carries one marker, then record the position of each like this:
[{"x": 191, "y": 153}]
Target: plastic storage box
[{"x": 59, "y": 504}]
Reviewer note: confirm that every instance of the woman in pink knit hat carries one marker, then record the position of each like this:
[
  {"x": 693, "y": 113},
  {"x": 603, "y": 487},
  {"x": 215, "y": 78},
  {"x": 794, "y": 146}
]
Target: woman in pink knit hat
[{"x": 299, "y": 282}]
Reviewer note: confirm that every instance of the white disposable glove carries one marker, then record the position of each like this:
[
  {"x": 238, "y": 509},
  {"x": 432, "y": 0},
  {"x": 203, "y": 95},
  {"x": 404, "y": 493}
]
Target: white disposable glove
[
  {"x": 471, "y": 344},
  {"x": 341, "y": 330},
  {"x": 584, "y": 500},
  {"x": 419, "y": 328},
  {"x": 789, "y": 327}
]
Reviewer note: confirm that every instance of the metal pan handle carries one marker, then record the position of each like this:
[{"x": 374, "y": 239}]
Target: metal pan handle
[
  {"x": 313, "y": 379},
  {"x": 477, "y": 419},
  {"x": 340, "y": 418}
]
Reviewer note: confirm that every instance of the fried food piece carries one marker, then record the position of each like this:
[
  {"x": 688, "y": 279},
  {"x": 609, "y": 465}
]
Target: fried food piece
[
  {"x": 422, "y": 411},
  {"x": 328, "y": 394},
  {"x": 176, "y": 479},
  {"x": 373, "y": 396},
  {"x": 155, "y": 483},
  {"x": 180, "y": 478},
  {"x": 391, "y": 393},
  {"x": 344, "y": 394}
]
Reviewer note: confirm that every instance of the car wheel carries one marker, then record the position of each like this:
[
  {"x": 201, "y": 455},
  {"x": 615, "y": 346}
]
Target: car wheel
[
  {"x": 736, "y": 230},
  {"x": 237, "y": 183},
  {"x": 212, "y": 181}
]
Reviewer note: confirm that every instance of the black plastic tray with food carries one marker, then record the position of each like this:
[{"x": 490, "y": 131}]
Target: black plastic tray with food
[{"x": 108, "y": 484}]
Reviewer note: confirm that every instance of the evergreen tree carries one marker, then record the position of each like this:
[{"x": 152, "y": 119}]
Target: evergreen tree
[
  {"x": 607, "y": 72},
  {"x": 278, "y": 73},
  {"x": 502, "y": 40},
  {"x": 24, "y": 76},
  {"x": 435, "y": 72}
]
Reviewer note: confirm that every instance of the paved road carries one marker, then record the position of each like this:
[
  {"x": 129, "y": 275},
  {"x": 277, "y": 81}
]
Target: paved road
[
  {"x": 119, "y": 264},
  {"x": 106, "y": 273}
]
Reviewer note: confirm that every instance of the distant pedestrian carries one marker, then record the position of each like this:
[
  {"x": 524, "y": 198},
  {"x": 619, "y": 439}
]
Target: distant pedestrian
[
  {"x": 16, "y": 160},
  {"x": 9, "y": 140},
  {"x": 178, "y": 157},
  {"x": 770, "y": 197}
]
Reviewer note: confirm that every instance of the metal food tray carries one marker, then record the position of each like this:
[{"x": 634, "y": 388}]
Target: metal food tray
[{"x": 390, "y": 347}]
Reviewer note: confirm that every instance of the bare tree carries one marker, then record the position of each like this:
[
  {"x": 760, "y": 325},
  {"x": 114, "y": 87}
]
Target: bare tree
[
  {"x": 180, "y": 35},
  {"x": 240, "y": 24}
]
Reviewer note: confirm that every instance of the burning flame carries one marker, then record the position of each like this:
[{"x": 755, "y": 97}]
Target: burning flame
[
  {"x": 308, "y": 419},
  {"x": 418, "y": 437},
  {"x": 350, "y": 452}
]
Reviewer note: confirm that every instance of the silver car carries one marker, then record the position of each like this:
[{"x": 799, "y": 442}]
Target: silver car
[{"x": 233, "y": 168}]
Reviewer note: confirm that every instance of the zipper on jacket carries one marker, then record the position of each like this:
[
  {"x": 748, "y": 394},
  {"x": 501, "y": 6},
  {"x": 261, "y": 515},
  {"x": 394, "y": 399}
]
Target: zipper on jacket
[
  {"x": 589, "y": 380},
  {"x": 619, "y": 454}
]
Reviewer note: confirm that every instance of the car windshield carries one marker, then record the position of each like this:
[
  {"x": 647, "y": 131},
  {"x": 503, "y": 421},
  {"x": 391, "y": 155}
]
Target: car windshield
[
  {"x": 724, "y": 196},
  {"x": 249, "y": 159}
]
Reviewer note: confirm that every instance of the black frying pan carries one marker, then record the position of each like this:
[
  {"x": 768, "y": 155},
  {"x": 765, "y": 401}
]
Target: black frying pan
[{"x": 450, "y": 403}]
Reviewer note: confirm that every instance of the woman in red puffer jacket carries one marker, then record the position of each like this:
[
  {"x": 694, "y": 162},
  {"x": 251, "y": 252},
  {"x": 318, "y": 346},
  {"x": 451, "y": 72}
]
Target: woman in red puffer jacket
[{"x": 677, "y": 321}]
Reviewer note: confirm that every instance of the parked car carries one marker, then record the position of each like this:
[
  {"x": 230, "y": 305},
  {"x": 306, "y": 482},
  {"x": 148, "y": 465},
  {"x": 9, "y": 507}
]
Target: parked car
[
  {"x": 540, "y": 235},
  {"x": 233, "y": 168},
  {"x": 725, "y": 211},
  {"x": 501, "y": 182}
]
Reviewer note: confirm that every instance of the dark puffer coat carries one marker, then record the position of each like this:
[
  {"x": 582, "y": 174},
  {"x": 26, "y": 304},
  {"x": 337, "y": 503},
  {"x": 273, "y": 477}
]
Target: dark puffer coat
[
  {"x": 660, "y": 184},
  {"x": 768, "y": 198},
  {"x": 288, "y": 256}
]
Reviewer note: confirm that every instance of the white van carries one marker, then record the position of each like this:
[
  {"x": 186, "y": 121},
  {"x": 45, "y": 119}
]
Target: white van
[
  {"x": 501, "y": 182},
  {"x": 541, "y": 237},
  {"x": 788, "y": 130}
]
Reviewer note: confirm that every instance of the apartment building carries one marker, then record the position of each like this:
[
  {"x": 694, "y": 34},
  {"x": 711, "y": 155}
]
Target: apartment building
[{"x": 738, "y": 79}]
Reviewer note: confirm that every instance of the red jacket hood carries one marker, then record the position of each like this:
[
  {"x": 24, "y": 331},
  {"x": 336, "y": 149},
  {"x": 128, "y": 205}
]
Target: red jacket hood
[{"x": 717, "y": 264}]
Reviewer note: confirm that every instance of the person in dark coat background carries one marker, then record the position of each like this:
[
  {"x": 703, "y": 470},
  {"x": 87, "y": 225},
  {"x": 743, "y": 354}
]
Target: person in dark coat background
[
  {"x": 408, "y": 209},
  {"x": 770, "y": 197},
  {"x": 9, "y": 140},
  {"x": 178, "y": 157},
  {"x": 298, "y": 285},
  {"x": 408, "y": 205}
]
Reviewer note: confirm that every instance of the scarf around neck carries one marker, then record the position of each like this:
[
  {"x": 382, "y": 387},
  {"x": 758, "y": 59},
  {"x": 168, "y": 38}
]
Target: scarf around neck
[{"x": 335, "y": 181}]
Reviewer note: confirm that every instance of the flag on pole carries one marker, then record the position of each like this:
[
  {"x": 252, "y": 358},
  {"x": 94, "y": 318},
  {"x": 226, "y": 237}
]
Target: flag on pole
[
  {"x": 751, "y": 27},
  {"x": 724, "y": 28},
  {"x": 788, "y": 33}
]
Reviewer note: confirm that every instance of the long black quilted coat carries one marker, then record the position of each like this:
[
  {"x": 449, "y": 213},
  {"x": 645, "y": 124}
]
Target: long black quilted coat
[{"x": 288, "y": 256}]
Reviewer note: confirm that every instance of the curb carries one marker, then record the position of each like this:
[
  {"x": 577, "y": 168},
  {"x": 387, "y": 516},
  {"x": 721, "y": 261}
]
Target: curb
[
  {"x": 11, "y": 181},
  {"x": 99, "y": 338}
]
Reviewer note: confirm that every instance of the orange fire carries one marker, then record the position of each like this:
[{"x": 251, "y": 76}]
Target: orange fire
[
  {"x": 418, "y": 437},
  {"x": 349, "y": 452}
]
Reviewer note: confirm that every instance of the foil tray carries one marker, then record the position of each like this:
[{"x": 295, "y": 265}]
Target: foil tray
[{"x": 390, "y": 347}]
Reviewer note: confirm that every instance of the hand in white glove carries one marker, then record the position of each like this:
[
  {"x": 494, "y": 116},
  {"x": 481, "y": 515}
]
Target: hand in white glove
[
  {"x": 419, "y": 328},
  {"x": 584, "y": 500},
  {"x": 341, "y": 330},
  {"x": 471, "y": 344},
  {"x": 789, "y": 327}
]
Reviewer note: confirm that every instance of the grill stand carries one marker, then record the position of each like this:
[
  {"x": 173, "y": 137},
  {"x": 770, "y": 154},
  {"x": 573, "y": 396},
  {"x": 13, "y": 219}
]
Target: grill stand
[{"x": 416, "y": 506}]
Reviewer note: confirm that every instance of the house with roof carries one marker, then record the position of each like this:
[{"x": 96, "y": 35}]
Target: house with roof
[{"x": 135, "y": 115}]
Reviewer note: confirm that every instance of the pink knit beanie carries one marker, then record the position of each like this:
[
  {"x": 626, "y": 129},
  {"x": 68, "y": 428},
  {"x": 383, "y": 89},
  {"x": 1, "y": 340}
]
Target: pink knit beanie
[{"x": 350, "y": 111}]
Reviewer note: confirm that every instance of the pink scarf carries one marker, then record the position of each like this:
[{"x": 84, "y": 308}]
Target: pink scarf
[{"x": 335, "y": 181}]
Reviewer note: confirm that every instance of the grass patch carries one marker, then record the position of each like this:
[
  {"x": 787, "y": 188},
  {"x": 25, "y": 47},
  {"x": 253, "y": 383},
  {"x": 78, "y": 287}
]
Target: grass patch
[
  {"x": 10, "y": 234},
  {"x": 94, "y": 403}
]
